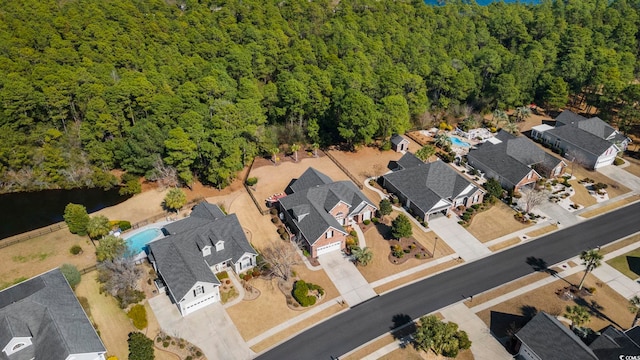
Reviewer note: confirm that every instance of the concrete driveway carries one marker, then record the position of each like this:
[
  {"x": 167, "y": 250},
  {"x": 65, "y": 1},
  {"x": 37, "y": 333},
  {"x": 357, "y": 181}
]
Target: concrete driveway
[
  {"x": 209, "y": 328},
  {"x": 458, "y": 238},
  {"x": 353, "y": 287},
  {"x": 627, "y": 179},
  {"x": 557, "y": 213}
]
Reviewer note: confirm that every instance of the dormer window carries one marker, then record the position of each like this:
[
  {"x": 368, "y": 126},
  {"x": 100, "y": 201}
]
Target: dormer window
[
  {"x": 16, "y": 344},
  {"x": 206, "y": 251},
  {"x": 220, "y": 245},
  {"x": 17, "y": 347}
]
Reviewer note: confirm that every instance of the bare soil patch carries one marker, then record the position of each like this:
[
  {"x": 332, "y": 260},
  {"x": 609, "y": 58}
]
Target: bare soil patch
[
  {"x": 35, "y": 256},
  {"x": 606, "y": 306},
  {"x": 611, "y": 206},
  {"x": 494, "y": 223}
]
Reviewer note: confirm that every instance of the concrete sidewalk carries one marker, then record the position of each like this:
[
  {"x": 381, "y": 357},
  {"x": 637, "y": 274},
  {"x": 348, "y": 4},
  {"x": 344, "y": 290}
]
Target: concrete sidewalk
[
  {"x": 458, "y": 238},
  {"x": 617, "y": 280},
  {"x": 558, "y": 214},
  {"x": 353, "y": 287},
  {"x": 484, "y": 345}
]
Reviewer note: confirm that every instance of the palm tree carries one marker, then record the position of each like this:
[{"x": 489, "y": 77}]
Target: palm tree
[
  {"x": 442, "y": 140},
  {"x": 363, "y": 256},
  {"x": 634, "y": 307},
  {"x": 511, "y": 128},
  {"x": 274, "y": 155},
  {"x": 98, "y": 227},
  {"x": 522, "y": 113},
  {"x": 175, "y": 200},
  {"x": 499, "y": 116},
  {"x": 295, "y": 148},
  {"x": 591, "y": 259},
  {"x": 577, "y": 314}
]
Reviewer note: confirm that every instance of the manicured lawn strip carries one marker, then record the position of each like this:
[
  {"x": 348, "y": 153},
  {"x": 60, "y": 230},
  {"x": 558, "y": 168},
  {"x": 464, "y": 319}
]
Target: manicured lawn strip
[
  {"x": 494, "y": 223},
  {"x": 621, "y": 263},
  {"x": 415, "y": 276},
  {"x": 370, "y": 347},
  {"x": 609, "y": 207},
  {"x": 504, "y": 244},
  {"x": 609, "y": 303},
  {"x": 294, "y": 329},
  {"x": 620, "y": 244},
  {"x": 505, "y": 289},
  {"x": 581, "y": 195}
]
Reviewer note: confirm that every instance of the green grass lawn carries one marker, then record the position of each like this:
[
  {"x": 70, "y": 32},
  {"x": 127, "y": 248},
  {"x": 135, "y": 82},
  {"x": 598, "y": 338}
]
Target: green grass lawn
[{"x": 628, "y": 264}]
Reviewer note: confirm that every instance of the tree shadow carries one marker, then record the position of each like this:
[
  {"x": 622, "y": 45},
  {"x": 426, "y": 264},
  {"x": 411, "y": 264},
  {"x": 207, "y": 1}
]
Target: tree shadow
[
  {"x": 504, "y": 326},
  {"x": 384, "y": 230},
  {"x": 403, "y": 326},
  {"x": 540, "y": 265},
  {"x": 634, "y": 264},
  {"x": 528, "y": 311},
  {"x": 595, "y": 309}
]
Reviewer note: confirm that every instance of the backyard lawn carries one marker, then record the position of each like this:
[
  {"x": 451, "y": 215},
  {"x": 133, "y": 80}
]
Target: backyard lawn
[
  {"x": 605, "y": 305},
  {"x": 628, "y": 264},
  {"x": 494, "y": 223}
]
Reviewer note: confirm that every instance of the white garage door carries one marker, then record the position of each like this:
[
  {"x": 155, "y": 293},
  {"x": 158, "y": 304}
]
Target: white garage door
[{"x": 328, "y": 248}]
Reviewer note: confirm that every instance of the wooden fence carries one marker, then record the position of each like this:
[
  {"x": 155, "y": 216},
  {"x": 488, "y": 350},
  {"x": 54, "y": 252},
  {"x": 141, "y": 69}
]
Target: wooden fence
[
  {"x": 250, "y": 192},
  {"x": 353, "y": 178},
  {"x": 33, "y": 234}
]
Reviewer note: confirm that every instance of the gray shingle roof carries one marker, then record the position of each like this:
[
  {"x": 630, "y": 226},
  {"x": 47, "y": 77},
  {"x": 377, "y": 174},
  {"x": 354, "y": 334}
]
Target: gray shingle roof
[
  {"x": 427, "y": 184},
  {"x": 551, "y": 340},
  {"x": 311, "y": 177},
  {"x": 397, "y": 139},
  {"x": 512, "y": 158},
  {"x": 581, "y": 139},
  {"x": 179, "y": 258},
  {"x": 568, "y": 117},
  {"x": 634, "y": 334},
  {"x": 409, "y": 160},
  {"x": 45, "y": 308},
  {"x": 597, "y": 127},
  {"x": 612, "y": 343},
  {"x": 309, "y": 206}
]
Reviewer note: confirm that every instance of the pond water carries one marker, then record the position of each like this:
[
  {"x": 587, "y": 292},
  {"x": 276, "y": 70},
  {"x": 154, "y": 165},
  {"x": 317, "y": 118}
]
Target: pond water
[{"x": 26, "y": 211}]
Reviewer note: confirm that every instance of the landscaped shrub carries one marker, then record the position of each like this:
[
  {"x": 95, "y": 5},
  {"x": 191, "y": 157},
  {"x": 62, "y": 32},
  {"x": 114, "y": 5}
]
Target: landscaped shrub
[
  {"x": 301, "y": 294},
  {"x": 367, "y": 222},
  {"x": 305, "y": 252},
  {"x": 75, "y": 249},
  {"x": 397, "y": 251},
  {"x": 353, "y": 233},
  {"x": 139, "y": 316},
  {"x": 618, "y": 161},
  {"x": 273, "y": 211},
  {"x": 222, "y": 275},
  {"x": 375, "y": 220},
  {"x": 252, "y": 181},
  {"x": 247, "y": 277},
  {"x": 281, "y": 230},
  {"x": 124, "y": 225},
  {"x": 274, "y": 219}
]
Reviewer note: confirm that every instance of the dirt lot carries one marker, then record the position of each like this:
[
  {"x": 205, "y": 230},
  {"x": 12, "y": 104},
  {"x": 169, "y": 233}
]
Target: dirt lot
[
  {"x": 369, "y": 161},
  {"x": 381, "y": 266},
  {"x": 274, "y": 179},
  {"x": 494, "y": 223},
  {"x": 37, "y": 255},
  {"x": 606, "y": 306}
]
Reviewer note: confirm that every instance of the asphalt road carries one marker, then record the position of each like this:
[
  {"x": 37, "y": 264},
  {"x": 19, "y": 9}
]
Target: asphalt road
[{"x": 373, "y": 318}]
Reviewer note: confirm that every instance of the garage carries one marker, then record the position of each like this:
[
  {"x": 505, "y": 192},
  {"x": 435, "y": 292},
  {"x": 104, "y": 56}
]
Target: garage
[{"x": 328, "y": 248}]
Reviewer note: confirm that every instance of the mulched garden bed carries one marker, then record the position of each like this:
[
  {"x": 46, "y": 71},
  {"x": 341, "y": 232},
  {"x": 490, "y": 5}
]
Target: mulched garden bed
[
  {"x": 412, "y": 250},
  {"x": 250, "y": 292}
]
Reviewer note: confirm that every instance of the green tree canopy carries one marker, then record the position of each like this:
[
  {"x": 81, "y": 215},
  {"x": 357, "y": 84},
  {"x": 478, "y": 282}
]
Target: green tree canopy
[
  {"x": 110, "y": 247},
  {"x": 401, "y": 227},
  {"x": 72, "y": 274},
  {"x": 140, "y": 347},
  {"x": 440, "y": 337},
  {"x": 77, "y": 219},
  {"x": 493, "y": 188},
  {"x": 425, "y": 152},
  {"x": 98, "y": 226},
  {"x": 385, "y": 207}
]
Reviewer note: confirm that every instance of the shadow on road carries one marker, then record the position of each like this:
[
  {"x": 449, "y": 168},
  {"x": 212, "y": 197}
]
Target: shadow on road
[{"x": 403, "y": 326}]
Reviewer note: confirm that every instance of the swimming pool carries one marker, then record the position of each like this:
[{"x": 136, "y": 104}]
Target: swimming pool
[
  {"x": 138, "y": 242},
  {"x": 457, "y": 142}
]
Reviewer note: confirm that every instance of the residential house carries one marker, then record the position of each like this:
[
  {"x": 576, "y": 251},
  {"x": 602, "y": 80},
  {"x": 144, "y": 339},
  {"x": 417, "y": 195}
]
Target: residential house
[
  {"x": 514, "y": 161},
  {"x": 406, "y": 161},
  {"x": 194, "y": 250},
  {"x": 591, "y": 142},
  {"x": 317, "y": 209},
  {"x": 433, "y": 188},
  {"x": 546, "y": 338},
  {"x": 41, "y": 318},
  {"x": 399, "y": 143}
]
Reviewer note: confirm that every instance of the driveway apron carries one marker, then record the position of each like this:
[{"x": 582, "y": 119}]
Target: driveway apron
[
  {"x": 209, "y": 328},
  {"x": 558, "y": 214},
  {"x": 353, "y": 287},
  {"x": 458, "y": 238}
]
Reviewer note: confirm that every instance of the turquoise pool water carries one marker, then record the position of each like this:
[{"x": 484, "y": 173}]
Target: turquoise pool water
[
  {"x": 457, "y": 142},
  {"x": 138, "y": 242}
]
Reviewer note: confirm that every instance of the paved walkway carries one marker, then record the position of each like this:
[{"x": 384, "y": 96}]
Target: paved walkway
[
  {"x": 353, "y": 287},
  {"x": 239, "y": 289},
  {"x": 485, "y": 346},
  {"x": 558, "y": 214},
  {"x": 617, "y": 280},
  {"x": 210, "y": 328},
  {"x": 362, "y": 242},
  {"x": 617, "y": 174},
  {"x": 458, "y": 238}
]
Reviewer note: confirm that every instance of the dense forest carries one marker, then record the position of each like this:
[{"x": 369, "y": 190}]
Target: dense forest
[{"x": 201, "y": 87}]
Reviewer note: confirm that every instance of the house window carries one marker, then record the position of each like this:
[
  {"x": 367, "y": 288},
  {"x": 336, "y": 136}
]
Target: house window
[
  {"x": 17, "y": 346},
  {"x": 199, "y": 290},
  {"x": 476, "y": 197},
  {"x": 329, "y": 234}
]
